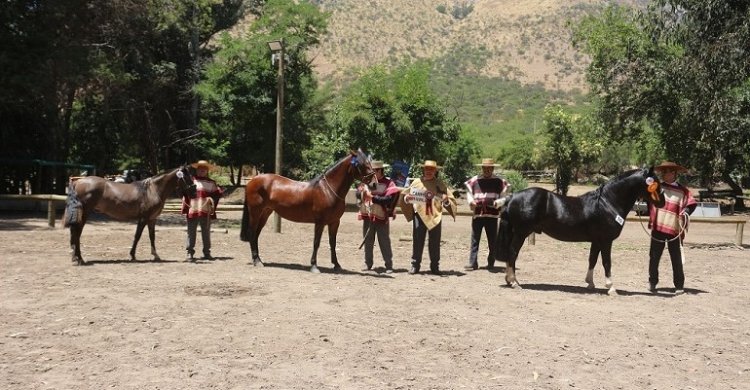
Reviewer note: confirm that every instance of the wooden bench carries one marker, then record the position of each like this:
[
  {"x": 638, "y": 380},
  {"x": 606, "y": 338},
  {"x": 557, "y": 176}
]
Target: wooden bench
[
  {"x": 713, "y": 194},
  {"x": 51, "y": 199},
  {"x": 738, "y": 220}
]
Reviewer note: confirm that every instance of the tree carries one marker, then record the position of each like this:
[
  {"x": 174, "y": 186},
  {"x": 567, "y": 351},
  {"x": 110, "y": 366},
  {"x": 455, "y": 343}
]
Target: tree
[
  {"x": 396, "y": 115},
  {"x": 681, "y": 69},
  {"x": 562, "y": 149},
  {"x": 239, "y": 90}
]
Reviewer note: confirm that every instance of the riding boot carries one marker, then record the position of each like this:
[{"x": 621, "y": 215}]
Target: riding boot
[{"x": 414, "y": 268}]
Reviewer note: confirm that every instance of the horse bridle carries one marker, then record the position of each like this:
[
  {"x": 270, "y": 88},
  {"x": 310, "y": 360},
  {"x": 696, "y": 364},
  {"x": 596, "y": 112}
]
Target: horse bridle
[{"x": 181, "y": 178}]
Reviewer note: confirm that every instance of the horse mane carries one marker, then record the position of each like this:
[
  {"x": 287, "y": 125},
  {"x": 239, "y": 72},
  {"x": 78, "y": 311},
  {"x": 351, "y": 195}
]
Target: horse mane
[
  {"x": 597, "y": 193},
  {"x": 318, "y": 178}
]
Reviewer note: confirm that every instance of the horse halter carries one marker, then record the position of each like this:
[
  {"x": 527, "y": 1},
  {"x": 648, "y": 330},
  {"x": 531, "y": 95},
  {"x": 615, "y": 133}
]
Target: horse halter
[
  {"x": 365, "y": 178},
  {"x": 181, "y": 178}
]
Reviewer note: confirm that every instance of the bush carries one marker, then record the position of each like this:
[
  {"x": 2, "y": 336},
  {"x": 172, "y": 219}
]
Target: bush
[{"x": 516, "y": 180}]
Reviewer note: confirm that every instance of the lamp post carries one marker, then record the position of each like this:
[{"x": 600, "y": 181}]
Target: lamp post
[{"x": 277, "y": 47}]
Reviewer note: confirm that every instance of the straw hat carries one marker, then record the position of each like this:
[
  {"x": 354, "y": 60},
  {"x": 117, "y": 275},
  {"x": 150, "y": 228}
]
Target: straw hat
[
  {"x": 668, "y": 165},
  {"x": 430, "y": 164},
  {"x": 377, "y": 164},
  {"x": 201, "y": 164},
  {"x": 487, "y": 162}
]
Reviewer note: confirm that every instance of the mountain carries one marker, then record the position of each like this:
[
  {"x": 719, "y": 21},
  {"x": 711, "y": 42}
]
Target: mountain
[{"x": 524, "y": 40}]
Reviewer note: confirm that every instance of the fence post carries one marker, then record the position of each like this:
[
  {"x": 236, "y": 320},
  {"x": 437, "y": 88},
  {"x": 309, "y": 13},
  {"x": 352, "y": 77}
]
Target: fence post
[{"x": 51, "y": 213}]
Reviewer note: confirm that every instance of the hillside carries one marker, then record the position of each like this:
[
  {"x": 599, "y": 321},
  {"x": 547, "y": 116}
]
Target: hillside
[{"x": 528, "y": 41}]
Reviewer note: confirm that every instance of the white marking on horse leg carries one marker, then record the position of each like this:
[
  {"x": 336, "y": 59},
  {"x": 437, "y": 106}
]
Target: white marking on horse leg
[
  {"x": 590, "y": 279},
  {"x": 610, "y": 288}
]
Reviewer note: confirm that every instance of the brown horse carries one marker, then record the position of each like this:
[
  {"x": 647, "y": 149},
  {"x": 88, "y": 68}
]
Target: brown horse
[
  {"x": 319, "y": 201},
  {"x": 141, "y": 201}
]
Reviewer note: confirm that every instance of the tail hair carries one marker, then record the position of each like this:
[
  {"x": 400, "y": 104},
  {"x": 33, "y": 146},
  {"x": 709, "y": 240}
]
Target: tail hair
[
  {"x": 504, "y": 237},
  {"x": 245, "y": 224},
  {"x": 73, "y": 208}
]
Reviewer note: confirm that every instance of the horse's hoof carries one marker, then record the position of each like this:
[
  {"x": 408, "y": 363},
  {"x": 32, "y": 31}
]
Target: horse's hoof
[
  {"x": 314, "y": 270},
  {"x": 591, "y": 286},
  {"x": 258, "y": 263},
  {"x": 612, "y": 291},
  {"x": 156, "y": 258},
  {"x": 337, "y": 268}
]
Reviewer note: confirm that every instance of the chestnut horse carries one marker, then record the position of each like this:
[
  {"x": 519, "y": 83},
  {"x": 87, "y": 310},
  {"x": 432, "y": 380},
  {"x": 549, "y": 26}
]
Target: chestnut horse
[
  {"x": 597, "y": 216},
  {"x": 141, "y": 201},
  {"x": 319, "y": 201}
]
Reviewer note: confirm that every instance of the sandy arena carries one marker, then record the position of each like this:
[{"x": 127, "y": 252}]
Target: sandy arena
[{"x": 225, "y": 324}]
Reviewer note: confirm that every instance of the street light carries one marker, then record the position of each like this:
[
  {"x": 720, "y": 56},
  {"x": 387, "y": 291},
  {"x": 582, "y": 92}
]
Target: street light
[{"x": 277, "y": 47}]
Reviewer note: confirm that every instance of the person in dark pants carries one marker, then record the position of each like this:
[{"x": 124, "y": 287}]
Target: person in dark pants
[
  {"x": 481, "y": 192},
  {"x": 201, "y": 209},
  {"x": 422, "y": 204},
  {"x": 668, "y": 225},
  {"x": 376, "y": 207}
]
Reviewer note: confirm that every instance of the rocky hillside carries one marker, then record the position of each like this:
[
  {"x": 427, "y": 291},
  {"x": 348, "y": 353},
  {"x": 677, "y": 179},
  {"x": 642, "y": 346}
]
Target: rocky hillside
[{"x": 525, "y": 40}]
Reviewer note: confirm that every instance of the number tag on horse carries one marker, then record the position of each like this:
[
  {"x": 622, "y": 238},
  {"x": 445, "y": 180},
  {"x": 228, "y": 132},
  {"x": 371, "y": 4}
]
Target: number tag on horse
[{"x": 620, "y": 220}]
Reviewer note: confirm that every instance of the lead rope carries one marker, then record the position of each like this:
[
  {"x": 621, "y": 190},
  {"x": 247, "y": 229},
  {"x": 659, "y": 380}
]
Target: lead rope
[{"x": 683, "y": 226}]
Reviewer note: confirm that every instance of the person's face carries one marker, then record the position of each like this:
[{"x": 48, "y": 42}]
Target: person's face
[
  {"x": 487, "y": 171},
  {"x": 379, "y": 173},
  {"x": 429, "y": 172},
  {"x": 201, "y": 171},
  {"x": 668, "y": 175}
]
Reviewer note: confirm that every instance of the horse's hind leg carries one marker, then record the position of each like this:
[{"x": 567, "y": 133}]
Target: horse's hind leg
[
  {"x": 333, "y": 228},
  {"x": 593, "y": 256},
  {"x": 75, "y": 243},
  {"x": 510, "y": 268},
  {"x": 607, "y": 263},
  {"x": 152, "y": 237},
  {"x": 138, "y": 232},
  {"x": 316, "y": 243},
  {"x": 257, "y": 222}
]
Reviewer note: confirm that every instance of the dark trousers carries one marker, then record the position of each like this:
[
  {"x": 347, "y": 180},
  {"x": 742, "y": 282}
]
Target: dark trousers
[
  {"x": 489, "y": 225},
  {"x": 657, "y": 248},
  {"x": 192, "y": 227},
  {"x": 419, "y": 234},
  {"x": 382, "y": 231}
]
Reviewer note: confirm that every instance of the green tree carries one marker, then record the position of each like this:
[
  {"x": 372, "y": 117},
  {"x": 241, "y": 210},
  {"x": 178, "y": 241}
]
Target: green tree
[
  {"x": 679, "y": 69},
  {"x": 240, "y": 84},
  {"x": 562, "y": 150},
  {"x": 396, "y": 116}
]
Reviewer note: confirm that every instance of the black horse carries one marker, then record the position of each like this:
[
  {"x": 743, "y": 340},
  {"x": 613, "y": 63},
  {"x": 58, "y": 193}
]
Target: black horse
[{"x": 596, "y": 216}]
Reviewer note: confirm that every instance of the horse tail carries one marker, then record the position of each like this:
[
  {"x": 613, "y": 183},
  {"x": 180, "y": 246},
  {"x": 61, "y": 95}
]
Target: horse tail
[
  {"x": 504, "y": 237},
  {"x": 73, "y": 208},
  {"x": 245, "y": 224}
]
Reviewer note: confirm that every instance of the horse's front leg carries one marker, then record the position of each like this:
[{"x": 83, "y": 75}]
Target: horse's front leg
[
  {"x": 593, "y": 256},
  {"x": 333, "y": 228},
  {"x": 138, "y": 232},
  {"x": 607, "y": 263},
  {"x": 316, "y": 243},
  {"x": 152, "y": 237}
]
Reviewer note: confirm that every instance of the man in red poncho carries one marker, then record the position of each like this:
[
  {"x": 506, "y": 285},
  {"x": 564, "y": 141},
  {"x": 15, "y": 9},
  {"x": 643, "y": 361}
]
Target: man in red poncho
[{"x": 668, "y": 225}]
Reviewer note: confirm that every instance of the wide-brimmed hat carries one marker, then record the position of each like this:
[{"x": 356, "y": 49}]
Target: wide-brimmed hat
[
  {"x": 377, "y": 164},
  {"x": 669, "y": 165},
  {"x": 431, "y": 164},
  {"x": 202, "y": 163},
  {"x": 487, "y": 162}
]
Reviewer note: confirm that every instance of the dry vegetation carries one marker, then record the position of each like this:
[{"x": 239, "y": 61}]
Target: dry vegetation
[{"x": 524, "y": 40}]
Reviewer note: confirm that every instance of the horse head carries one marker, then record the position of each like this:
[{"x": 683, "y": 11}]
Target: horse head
[
  {"x": 363, "y": 167},
  {"x": 185, "y": 184},
  {"x": 651, "y": 191}
]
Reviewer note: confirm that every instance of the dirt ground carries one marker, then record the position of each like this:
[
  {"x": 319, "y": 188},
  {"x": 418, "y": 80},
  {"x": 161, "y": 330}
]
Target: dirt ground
[{"x": 228, "y": 325}]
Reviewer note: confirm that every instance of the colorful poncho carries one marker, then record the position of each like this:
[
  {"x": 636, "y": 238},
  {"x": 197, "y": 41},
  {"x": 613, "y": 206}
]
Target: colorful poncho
[
  {"x": 206, "y": 199},
  {"x": 669, "y": 219},
  {"x": 383, "y": 204},
  {"x": 425, "y": 198}
]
